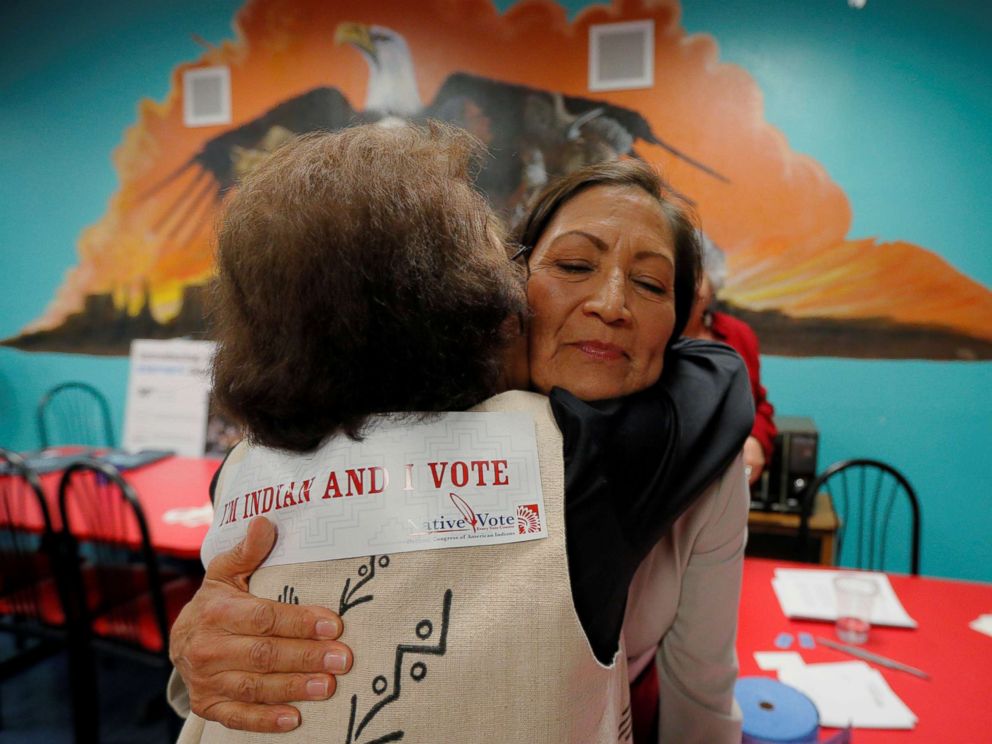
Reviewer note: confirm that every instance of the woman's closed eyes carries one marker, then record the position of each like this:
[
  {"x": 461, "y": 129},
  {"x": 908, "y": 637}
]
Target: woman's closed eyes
[{"x": 579, "y": 269}]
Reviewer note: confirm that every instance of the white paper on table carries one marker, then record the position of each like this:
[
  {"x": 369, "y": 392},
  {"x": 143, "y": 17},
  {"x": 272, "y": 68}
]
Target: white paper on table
[
  {"x": 191, "y": 516},
  {"x": 983, "y": 624},
  {"x": 772, "y": 661},
  {"x": 809, "y": 593},
  {"x": 850, "y": 693}
]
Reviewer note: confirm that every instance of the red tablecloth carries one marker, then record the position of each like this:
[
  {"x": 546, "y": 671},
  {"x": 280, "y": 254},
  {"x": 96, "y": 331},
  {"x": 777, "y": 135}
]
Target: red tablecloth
[
  {"x": 174, "y": 496},
  {"x": 954, "y": 705}
]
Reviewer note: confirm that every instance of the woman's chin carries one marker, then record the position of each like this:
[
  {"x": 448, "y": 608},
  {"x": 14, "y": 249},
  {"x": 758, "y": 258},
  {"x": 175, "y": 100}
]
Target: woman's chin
[
  {"x": 588, "y": 389},
  {"x": 600, "y": 392}
]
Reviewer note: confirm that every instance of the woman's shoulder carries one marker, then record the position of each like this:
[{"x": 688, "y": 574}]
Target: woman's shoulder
[
  {"x": 538, "y": 406},
  {"x": 716, "y": 365},
  {"x": 234, "y": 456},
  {"x": 708, "y": 382},
  {"x": 703, "y": 353},
  {"x": 723, "y": 511},
  {"x": 514, "y": 400}
]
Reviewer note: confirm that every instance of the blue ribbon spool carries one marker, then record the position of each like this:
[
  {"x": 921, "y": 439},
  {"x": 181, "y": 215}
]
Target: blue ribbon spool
[{"x": 774, "y": 712}]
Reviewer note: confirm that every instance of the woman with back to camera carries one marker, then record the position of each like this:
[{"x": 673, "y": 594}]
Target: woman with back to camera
[{"x": 610, "y": 250}]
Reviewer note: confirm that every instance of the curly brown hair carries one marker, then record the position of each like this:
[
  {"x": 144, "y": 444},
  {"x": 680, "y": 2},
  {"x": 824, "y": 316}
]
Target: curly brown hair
[
  {"x": 635, "y": 173},
  {"x": 359, "y": 272}
]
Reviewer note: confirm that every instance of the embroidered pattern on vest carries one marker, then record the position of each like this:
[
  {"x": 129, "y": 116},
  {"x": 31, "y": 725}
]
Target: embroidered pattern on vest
[
  {"x": 418, "y": 670},
  {"x": 288, "y": 595},
  {"x": 624, "y": 732},
  {"x": 366, "y": 572}
]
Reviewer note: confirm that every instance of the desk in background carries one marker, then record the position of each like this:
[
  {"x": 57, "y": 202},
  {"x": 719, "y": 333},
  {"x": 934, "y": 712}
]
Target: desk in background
[
  {"x": 953, "y": 705},
  {"x": 776, "y": 534}
]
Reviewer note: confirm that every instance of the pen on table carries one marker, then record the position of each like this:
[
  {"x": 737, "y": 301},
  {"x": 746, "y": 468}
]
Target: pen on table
[{"x": 869, "y": 656}]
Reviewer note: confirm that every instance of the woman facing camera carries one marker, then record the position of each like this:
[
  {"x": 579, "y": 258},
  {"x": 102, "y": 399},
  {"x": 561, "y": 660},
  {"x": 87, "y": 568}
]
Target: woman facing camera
[
  {"x": 592, "y": 235},
  {"x": 414, "y": 306}
]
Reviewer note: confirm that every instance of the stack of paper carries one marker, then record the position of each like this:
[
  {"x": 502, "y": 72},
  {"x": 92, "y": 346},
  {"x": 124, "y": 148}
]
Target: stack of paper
[
  {"x": 809, "y": 593},
  {"x": 983, "y": 624},
  {"x": 849, "y": 693}
]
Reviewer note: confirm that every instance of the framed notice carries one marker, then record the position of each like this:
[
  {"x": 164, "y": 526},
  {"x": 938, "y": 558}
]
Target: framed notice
[{"x": 168, "y": 396}]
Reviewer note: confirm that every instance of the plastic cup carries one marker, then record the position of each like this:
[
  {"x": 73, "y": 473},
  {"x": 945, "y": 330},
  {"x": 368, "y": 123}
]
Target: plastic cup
[{"x": 855, "y": 599}]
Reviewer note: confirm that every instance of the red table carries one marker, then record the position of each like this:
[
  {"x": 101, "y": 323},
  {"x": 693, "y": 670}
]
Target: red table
[
  {"x": 175, "y": 499},
  {"x": 954, "y": 705},
  {"x": 174, "y": 494}
]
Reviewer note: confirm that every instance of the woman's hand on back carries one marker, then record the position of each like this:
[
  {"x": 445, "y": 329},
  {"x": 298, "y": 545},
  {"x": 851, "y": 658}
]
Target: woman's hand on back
[
  {"x": 754, "y": 460},
  {"x": 242, "y": 657}
]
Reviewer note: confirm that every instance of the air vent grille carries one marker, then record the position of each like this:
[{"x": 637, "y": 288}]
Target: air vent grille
[
  {"x": 621, "y": 55},
  {"x": 207, "y": 96}
]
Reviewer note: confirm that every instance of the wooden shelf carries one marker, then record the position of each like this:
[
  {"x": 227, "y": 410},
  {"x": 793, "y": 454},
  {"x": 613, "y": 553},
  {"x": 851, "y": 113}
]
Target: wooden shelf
[{"x": 783, "y": 529}]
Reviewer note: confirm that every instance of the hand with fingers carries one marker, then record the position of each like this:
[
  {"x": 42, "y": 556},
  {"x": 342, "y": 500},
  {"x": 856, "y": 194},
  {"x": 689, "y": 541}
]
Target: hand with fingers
[{"x": 244, "y": 658}]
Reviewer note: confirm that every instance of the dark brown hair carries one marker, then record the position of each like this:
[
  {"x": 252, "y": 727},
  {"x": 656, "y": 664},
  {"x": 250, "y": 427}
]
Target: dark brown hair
[
  {"x": 637, "y": 174},
  {"x": 357, "y": 274}
]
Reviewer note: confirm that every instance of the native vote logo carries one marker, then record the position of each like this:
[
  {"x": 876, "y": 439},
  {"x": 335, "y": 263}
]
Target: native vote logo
[{"x": 526, "y": 518}]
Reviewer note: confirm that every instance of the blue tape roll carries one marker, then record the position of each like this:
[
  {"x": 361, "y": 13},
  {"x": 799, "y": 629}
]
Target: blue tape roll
[{"x": 774, "y": 712}]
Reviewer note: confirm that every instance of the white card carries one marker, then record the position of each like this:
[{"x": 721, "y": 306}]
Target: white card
[
  {"x": 455, "y": 480},
  {"x": 982, "y": 624},
  {"x": 775, "y": 660},
  {"x": 168, "y": 392}
]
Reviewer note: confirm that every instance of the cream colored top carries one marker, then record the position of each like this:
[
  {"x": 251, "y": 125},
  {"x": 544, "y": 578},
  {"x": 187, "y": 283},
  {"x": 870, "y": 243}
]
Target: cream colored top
[
  {"x": 478, "y": 644},
  {"x": 686, "y": 593}
]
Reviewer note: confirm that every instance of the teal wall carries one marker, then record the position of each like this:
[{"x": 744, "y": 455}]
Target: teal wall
[
  {"x": 71, "y": 76},
  {"x": 894, "y": 100}
]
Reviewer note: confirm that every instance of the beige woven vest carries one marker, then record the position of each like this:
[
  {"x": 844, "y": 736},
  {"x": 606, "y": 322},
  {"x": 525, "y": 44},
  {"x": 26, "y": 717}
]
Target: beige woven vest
[{"x": 473, "y": 645}]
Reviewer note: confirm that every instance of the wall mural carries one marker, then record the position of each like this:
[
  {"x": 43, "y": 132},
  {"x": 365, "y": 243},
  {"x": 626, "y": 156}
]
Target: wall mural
[{"x": 519, "y": 82}]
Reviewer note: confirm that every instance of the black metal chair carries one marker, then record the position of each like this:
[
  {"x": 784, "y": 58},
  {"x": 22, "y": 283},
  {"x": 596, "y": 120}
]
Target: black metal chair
[
  {"x": 130, "y": 602},
  {"x": 74, "y": 413},
  {"x": 32, "y": 606},
  {"x": 873, "y": 502}
]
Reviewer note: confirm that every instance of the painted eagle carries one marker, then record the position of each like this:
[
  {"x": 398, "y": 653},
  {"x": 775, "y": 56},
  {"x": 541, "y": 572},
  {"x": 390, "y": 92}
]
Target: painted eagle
[{"x": 532, "y": 134}]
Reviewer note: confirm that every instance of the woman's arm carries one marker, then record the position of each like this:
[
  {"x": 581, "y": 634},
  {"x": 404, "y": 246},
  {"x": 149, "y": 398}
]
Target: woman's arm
[
  {"x": 241, "y": 657},
  {"x": 697, "y": 662}
]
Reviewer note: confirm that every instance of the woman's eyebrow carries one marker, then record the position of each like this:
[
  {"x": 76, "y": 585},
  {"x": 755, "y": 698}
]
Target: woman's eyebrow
[
  {"x": 598, "y": 242},
  {"x": 640, "y": 255},
  {"x": 601, "y": 245}
]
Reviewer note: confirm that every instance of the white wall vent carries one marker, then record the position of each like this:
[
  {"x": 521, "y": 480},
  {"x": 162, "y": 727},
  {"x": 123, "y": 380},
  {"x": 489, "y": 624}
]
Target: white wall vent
[
  {"x": 621, "y": 55},
  {"x": 207, "y": 96}
]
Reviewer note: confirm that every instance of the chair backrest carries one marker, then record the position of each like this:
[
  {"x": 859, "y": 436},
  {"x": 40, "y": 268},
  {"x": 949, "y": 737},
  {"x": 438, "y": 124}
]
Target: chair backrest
[
  {"x": 875, "y": 506},
  {"x": 28, "y": 550},
  {"x": 74, "y": 413},
  {"x": 104, "y": 522}
]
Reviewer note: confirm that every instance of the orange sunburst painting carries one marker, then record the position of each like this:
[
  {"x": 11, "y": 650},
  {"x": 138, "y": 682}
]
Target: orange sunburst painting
[{"x": 519, "y": 81}]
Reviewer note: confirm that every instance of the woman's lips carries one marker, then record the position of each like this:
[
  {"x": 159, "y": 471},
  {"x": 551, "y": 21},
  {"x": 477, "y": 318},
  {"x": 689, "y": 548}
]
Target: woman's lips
[{"x": 600, "y": 350}]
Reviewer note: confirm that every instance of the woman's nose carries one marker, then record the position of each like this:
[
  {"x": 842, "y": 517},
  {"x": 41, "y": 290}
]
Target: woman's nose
[{"x": 608, "y": 300}]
